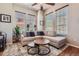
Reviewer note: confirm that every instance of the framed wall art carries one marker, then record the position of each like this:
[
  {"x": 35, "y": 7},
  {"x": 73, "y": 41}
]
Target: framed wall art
[{"x": 5, "y": 18}]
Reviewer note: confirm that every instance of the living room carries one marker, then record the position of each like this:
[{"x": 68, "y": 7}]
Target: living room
[{"x": 57, "y": 22}]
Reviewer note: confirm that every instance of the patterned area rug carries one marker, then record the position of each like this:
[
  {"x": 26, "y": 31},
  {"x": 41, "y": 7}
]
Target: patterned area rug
[{"x": 16, "y": 49}]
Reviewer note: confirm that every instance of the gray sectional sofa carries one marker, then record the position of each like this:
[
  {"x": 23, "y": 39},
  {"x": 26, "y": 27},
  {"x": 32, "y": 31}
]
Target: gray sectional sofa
[{"x": 57, "y": 41}]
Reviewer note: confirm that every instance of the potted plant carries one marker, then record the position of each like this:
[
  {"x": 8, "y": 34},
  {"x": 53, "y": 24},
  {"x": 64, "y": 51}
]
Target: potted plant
[{"x": 17, "y": 33}]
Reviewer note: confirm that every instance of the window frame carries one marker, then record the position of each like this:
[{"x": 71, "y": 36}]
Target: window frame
[
  {"x": 51, "y": 20},
  {"x": 60, "y": 10}
]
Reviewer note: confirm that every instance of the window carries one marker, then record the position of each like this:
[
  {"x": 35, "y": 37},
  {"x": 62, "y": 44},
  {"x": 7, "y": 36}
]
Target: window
[
  {"x": 49, "y": 22},
  {"x": 20, "y": 17},
  {"x": 30, "y": 20},
  {"x": 61, "y": 21}
]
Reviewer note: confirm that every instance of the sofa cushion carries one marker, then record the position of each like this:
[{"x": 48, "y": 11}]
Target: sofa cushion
[
  {"x": 30, "y": 34},
  {"x": 54, "y": 39},
  {"x": 57, "y": 38},
  {"x": 40, "y": 33}
]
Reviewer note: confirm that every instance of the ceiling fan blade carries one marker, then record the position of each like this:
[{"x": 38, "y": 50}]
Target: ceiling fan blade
[
  {"x": 51, "y": 4},
  {"x": 34, "y": 4}
]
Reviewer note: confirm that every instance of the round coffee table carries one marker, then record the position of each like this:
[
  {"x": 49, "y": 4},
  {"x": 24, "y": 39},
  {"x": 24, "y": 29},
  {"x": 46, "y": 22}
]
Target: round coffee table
[{"x": 44, "y": 44}]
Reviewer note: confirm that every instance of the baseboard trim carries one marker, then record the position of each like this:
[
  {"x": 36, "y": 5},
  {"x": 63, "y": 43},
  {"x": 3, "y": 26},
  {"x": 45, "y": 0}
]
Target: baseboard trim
[{"x": 72, "y": 45}]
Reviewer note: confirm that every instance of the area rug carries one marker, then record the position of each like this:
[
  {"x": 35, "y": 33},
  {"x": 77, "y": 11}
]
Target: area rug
[{"x": 16, "y": 49}]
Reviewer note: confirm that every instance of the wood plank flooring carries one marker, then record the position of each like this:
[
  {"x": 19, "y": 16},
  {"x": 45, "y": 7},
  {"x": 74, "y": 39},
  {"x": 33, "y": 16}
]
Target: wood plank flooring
[
  {"x": 70, "y": 51},
  {"x": 1, "y": 52}
]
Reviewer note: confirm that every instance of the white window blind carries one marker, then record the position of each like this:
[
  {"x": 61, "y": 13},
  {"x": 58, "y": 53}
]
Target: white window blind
[
  {"x": 49, "y": 22},
  {"x": 62, "y": 21},
  {"x": 30, "y": 20}
]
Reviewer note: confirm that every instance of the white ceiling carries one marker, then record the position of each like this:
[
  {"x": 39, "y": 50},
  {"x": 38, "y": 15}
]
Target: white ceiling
[{"x": 36, "y": 7}]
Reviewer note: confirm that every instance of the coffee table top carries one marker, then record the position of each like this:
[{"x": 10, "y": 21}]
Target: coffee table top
[{"x": 41, "y": 41}]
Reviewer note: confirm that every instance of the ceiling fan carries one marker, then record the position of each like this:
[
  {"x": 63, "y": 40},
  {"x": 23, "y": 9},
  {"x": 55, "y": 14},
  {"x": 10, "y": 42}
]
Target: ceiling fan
[{"x": 41, "y": 6}]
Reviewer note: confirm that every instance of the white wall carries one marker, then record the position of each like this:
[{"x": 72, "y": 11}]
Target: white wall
[
  {"x": 7, "y": 27},
  {"x": 8, "y": 8},
  {"x": 73, "y": 36}
]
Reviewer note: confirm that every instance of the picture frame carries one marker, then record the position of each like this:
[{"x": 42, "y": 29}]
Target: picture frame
[{"x": 5, "y": 18}]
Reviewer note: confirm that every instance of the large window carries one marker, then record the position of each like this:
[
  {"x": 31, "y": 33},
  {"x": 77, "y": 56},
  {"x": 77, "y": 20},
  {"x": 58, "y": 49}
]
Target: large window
[
  {"x": 20, "y": 17},
  {"x": 30, "y": 21},
  {"x": 49, "y": 22},
  {"x": 62, "y": 21}
]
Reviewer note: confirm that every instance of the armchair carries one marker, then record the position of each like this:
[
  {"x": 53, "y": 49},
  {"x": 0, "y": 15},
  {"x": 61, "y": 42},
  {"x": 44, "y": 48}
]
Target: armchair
[{"x": 3, "y": 37}]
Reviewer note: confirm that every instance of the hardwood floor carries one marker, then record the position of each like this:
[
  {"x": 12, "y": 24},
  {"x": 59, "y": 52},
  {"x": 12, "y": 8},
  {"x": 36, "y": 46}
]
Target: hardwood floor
[
  {"x": 70, "y": 51},
  {"x": 1, "y": 52}
]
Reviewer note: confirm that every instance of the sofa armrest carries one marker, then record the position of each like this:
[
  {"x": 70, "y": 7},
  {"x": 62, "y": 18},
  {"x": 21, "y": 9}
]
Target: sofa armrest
[{"x": 56, "y": 41}]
